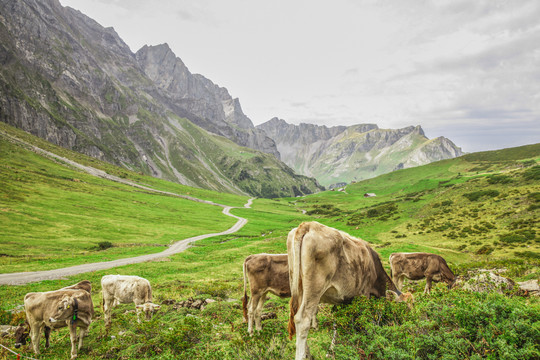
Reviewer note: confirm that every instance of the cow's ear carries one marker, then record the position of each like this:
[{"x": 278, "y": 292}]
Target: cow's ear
[
  {"x": 391, "y": 295},
  {"x": 139, "y": 306}
]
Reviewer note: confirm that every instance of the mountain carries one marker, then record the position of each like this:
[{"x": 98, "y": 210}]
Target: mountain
[
  {"x": 352, "y": 153},
  {"x": 70, "y": 81}
]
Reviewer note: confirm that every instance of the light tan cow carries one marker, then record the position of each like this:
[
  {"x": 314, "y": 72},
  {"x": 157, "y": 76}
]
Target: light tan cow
[
  {"x": 23, "y": 331},
  {"x": 330, "y": 266},
  {"x": 126, "y": 289},
  {"x": 416, "y": 266},
  {"x": 65, "y": 307}
]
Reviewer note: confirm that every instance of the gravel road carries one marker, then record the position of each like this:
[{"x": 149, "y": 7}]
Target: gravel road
[{"x": 177, "y": 247}]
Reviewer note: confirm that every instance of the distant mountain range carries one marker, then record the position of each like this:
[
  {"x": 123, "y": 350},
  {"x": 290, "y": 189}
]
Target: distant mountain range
[
  {"x": 69, "y": 80},
  {"x": 351, "y": 153}
]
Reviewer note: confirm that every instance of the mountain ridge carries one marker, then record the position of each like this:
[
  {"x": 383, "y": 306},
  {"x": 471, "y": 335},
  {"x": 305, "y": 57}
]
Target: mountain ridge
[{"x": 351, "y": 153}]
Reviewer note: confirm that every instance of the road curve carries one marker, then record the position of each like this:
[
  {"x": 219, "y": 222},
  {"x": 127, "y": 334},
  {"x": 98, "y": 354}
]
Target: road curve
[{"x": 179, "y": 246}]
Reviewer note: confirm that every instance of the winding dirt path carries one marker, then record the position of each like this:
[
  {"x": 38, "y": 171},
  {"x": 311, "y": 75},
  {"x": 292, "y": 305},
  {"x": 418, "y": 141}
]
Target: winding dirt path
[{"x": 179, "y": 246}]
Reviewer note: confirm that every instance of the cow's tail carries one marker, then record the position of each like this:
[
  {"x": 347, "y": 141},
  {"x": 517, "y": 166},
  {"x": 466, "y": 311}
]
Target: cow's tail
[
  {"x": 296, "y": 285},
  {"x": 245, "y": 298}
]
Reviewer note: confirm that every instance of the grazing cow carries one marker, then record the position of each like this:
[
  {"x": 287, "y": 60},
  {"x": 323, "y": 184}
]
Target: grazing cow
[
  {"x": 416, "y": 266},
  {"x": 330, "y": 266},
  {"x": 65, "y": 307},
  {"x": 125, "y": 289},
  {"x": 23, "y": 331},
  {"x": 266, "y": 273}
]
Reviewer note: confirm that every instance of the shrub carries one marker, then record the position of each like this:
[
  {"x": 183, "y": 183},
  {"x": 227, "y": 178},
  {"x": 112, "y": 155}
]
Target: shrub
[
  {"x": 477, "y": 195},
  {"x": 104, "y": 245},
  {"x": 484, "y": 250},
  {"x": 499, "y": 179},
  {"x": 444, "y": 325},
  {"x": 532, "y": 173}
]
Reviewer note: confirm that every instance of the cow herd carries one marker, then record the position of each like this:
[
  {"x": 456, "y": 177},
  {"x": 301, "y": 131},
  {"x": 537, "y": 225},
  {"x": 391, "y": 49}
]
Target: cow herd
[
  {"x": 322, "y": 265},
  {"x": 72, "y": 306}
]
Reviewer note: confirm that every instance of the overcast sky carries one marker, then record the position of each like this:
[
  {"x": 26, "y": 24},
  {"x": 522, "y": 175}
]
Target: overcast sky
[{"x": 468, "y": 70}]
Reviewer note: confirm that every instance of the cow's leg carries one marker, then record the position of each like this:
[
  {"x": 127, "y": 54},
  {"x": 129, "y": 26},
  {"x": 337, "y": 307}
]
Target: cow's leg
[
  {"x": 303, "y": 320},
  {"x": 258, "y": 312},
  {"x": 398, "y": 281},
  {"x": 108, "y": 304},
  {"x": 73, "y": 338},
  {"x": 47, "y": 335},
  {"x": 82, "y": 333},
  {"x": 252, "y": 310},
  {"x": 427, "y": 289},
  {"x": 314, "y": 322},
  {"x": 35, "y": 335}
]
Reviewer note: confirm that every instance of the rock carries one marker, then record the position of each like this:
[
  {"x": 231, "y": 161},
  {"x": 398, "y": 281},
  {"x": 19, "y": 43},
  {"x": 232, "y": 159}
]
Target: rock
[
  {"x": 530, "y": 287},
  {"x": 485, "y": 281},
  {"x": 7, "y": 330},
  {"x": 271, "y": 315}
]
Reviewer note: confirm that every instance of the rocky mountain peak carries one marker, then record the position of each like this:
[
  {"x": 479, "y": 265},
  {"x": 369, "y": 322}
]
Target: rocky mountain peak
[
  {"x": 346, "y": 153},
  {"x": 205, "y": 103}
]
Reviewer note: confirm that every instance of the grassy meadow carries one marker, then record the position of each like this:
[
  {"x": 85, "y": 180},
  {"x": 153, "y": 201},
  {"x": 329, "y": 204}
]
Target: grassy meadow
[{"x": 478, "y": 211}]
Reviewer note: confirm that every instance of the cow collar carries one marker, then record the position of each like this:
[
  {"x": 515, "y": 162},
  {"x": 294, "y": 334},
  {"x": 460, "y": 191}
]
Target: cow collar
[{"x": 75, "y": 310}]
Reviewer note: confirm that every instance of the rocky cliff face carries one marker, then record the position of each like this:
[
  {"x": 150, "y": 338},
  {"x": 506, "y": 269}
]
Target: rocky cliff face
[
  {"x": 70, "y": 81},
  {"x": 215, "y": 109},
  {"x": 344, "y": 154}
]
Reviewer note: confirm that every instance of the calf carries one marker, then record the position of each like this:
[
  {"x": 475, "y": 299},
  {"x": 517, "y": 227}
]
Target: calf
[
  {"x": 328, "y": 265},
  {"x": 266, "y": 273},
  {"x": 416, "y": 266},
  {"x": 23, "y": 331},
  {"x": 65, "y": 307},
  {"x": 125, "y": 289}
]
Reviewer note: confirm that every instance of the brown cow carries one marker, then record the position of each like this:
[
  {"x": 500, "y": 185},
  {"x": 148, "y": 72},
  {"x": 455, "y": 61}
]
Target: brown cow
[
  {"x": 23, "y": 331},
  {"x": 330, "y": 266},
  {"x": 69, "y": 307},
  {"x": 416, "y": 266},
  {"x": 266, "y": 273}
]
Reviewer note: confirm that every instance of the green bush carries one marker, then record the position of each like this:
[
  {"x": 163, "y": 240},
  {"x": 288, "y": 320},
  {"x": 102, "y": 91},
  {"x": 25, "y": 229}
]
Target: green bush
[
  {"x": 477, "y": 195},
  {"x": 104, "y": 245},
  {"x": 499, "y": 179},
  {"x": 444, "y": 325},
  {"x": 532, "y": 173}
]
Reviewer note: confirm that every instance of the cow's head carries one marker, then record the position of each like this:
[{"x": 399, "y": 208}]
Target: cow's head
[
  {"x": 407, "y": 297},
  {"x": 21, "y": 334},
  {"x": 149, "y": 309},
  {"x": 65, "y": 309}
]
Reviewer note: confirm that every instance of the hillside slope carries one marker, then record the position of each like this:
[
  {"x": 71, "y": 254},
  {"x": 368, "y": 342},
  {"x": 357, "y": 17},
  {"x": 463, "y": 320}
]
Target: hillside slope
[{"x": 479, "y": 204}]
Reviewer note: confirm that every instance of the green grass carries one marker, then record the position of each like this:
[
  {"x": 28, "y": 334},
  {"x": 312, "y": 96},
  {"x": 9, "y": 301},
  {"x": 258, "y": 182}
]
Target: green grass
[{"x": 53, "y": 216}]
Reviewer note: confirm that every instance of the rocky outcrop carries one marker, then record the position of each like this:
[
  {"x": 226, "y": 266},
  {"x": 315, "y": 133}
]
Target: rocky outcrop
[{"x": 345, "y": 154}]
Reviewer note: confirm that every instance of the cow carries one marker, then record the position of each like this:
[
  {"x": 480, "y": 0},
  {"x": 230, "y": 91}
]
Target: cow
[
  {"x": 416, "y": 266},
  {"x": 65, "y": 307},
  {"x": 266, "y": 273},
  {"x": 126, "y": 289},
  {"x": 23, "y": 331},
  {"x": 328, "y": 265}
]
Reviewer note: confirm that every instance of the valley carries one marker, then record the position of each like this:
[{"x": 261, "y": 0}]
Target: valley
[{"x": 477, "y": 211}]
